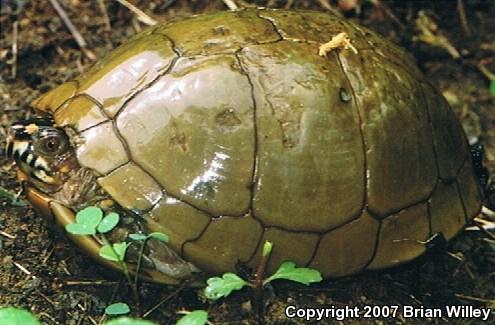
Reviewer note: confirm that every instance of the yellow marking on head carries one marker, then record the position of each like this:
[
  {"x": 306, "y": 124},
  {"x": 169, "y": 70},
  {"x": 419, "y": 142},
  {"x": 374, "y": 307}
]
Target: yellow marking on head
[{"x": 31, "y": 128}]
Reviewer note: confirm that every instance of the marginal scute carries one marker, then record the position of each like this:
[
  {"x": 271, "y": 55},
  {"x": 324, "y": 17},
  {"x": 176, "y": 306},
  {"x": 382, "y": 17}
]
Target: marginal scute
[
  {"x": 451, "y": 147},
  {"x": 180, "y": 221},
  {"x": 52, "y": 100},
  {"x": 100, "y": 149},
  {"x": 470, "y": 190},
  {"x": 347, "y": 249},
  {"x": 302, "y": 246},
  {"x": 225, "y": 242},
  {"x": 80, "y": 113},
  {"x": 225, "y": 32},
  {"x": 402, "y": 237},
  {"x": 127, "y": 70},
  {"x": 132, "y": 188},
  {"x": 198, "y": 162},
  {"x": 401, "y": 164},
  {"x": 446, "y": 211},
  {"x": 310, "y": 174}
]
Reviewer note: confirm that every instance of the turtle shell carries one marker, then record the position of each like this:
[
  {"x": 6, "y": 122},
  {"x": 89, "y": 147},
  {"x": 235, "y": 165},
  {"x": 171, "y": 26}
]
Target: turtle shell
[{"x": 229, "y": 129}]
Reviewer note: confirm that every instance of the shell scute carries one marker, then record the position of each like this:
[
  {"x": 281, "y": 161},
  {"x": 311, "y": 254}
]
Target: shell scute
[
  {"x": 310, "y": 168},
  {"x": 402, "y": 237},
  {"x": 79, "y": 112},
  {"x": 446, "y": 209},
  {"x": 347, "y": 249},
  {"x": 127, "y": 70},
  {"x": 132, "y": 188},
  {"x": 52, "y": 100},
  {"x": 169, "y": 217},
  {"x": 194, "y": 137},
  {"x": 224, "y": 32},
  {"x": 400, "y": 157},
  {"x": 101, "y": 156},
  {"x": 225, "y": 243}
]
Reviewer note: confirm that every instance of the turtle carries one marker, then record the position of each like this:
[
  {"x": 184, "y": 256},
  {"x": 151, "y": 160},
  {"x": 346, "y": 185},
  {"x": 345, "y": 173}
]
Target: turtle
[{"x": 230, "y": 129}]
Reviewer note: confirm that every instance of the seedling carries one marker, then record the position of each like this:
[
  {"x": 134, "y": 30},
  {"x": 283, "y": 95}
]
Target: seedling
[
  {"x": 197, "y": 317},
  {"x": 129, "y": 321},
  {"x": 229, "y": 282},
  {"x": 116, "y": 309},
  {"x": 91, "y": 221},
  {"x": 141, "y": 238},
  {"x": 11, "y": 315},
  {"x": 12, "y": 197}
]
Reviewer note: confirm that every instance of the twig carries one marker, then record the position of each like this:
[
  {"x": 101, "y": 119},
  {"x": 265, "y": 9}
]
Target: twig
[
  {"x": 230, "y": 4},
  {"x": 462, "y": 17},
  {"x": 3, "y": 233},
  {"x": 484, "y": 70},
  {"x": 104, "y": 12},
  {"x": 289, "y": 4},
  {"x": 73, "y": 30},
  {"x": 49, "y": 317},
  {"x": 429, "y": 33},
  {"x": 471, "y": 298},
  {"x": 23, "y": 269},
  {"x": 89, "y": 283},
  {"x": 142, "y": 17},
  {"x": 390, "y": 13},
  {"x": 46, "y": 298},
  {"x": 167, "y": 298},
  {"x": 326, "y": 5},
  {"x": 15, "y": 29},
  {"x": 85, "y": 310}
]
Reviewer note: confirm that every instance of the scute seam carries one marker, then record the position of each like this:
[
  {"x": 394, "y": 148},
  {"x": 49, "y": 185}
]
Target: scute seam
[
  {"x": 315, "y": 250},
  {"x": 375, "y": 249},
  {"x": 361, "y": 133}
]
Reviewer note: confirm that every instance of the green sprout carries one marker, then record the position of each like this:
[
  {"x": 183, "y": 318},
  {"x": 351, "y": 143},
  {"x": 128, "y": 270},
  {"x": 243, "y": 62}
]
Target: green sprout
[
  {"x": 92, "y": 221},
  {"x": 197, "y": 317},
  {"x": 118, "y": 308},
  {"x": 129, "y": 321},
  {"x": 12, "y": 315},
  {"x": 218, "y": 287},
  {"x": 12, "y": 197},
  {"x": 143, "y": 239}
]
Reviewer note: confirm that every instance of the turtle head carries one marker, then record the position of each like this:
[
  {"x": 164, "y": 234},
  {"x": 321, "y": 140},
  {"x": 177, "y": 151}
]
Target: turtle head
[{"x": 42, "y": 152}]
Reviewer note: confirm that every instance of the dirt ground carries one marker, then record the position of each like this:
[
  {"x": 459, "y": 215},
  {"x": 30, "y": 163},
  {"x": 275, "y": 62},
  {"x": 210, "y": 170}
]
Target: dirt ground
[{"x": 41, "y": 271}]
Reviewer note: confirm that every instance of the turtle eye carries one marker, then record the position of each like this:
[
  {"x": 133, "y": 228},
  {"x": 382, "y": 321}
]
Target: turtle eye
[{"x": 52, "y": 142}]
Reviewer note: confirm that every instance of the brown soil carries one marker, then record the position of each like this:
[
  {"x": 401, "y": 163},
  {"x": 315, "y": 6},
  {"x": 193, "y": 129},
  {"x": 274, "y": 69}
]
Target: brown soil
[{"x": 65, "y": 287}]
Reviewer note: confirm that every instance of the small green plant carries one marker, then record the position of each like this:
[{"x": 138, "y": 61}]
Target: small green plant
[
  {"x": 129, "y": 321},
  {"x": 92, "y": 221},
  {"x": 492, "y": 87},
  {"x": 142, "y": 239},
  {"x": 118, "y": 308},
  {"x": 197, "y": 317},
  {"x": 12, "y": 315},
  {"x": 218, "y": 287},
  {"x": 12, "y": 197}
]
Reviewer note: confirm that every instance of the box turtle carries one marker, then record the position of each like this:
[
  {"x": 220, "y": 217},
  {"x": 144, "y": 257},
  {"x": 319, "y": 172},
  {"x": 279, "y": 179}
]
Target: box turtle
[{"x": 229, "y": 129}]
